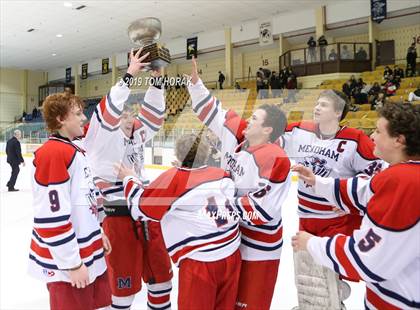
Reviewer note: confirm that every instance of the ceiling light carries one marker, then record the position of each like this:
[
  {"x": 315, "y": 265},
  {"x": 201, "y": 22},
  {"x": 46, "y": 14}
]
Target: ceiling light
[
  {"x": 59, "y": 35},
  {"x": 68, "y": 4},
  {"x": 53, "y": 54}
]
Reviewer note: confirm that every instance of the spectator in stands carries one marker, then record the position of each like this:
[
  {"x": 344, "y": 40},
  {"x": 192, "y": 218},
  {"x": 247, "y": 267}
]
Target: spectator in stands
[
  {"x": 415, "y": 95},
  {"x": 411, "y": 60},
  {"x": 322, "y": 43},
  {"x": 291, "y": 88},
  {"x": 311, "y": 49},
  {"x": 237, "y": 86},
  {"x": 361, "y": 92},
  {"x": 379, "y": 101},
  {"x": 398, "y": 73},
  {"x": 347, "y": 89},
  {"x": 260, "y": 84},
  {"x": 221, "y": 79},
  {"x": 275, "y": 85},
  {"x": 22, "y": 119},
  {"x": 390, "y": 86},
  {"x": 374, "y": 91},
  {"x": 333, "y": 55},
  {"x": 361, "y": 54},
  {"x": 345, "y": 53},
  {"x": 387, "y": 72},
  {"x": 284, "y": 74},
  {"x": 266, "y": 73},
  {"x": 360, "y": 83},
  {"x": 34, "y": 113},
  {"x": 353, "y": 82},
  {"x": 14, "y": 158},
  {"x": 265, "y": 85}
]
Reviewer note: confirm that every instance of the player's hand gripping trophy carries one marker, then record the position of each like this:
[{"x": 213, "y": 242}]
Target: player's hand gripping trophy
[{"x": 144, "y": 32}]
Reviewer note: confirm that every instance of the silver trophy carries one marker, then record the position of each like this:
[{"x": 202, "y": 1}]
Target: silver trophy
[{"x": 144, "y": 32}]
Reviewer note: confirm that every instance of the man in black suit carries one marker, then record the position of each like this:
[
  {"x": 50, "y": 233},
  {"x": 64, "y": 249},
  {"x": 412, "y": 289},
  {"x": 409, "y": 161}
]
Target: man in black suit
[
  {"x": 221, "y": 79},
  {"x": 14, "y": 158}
]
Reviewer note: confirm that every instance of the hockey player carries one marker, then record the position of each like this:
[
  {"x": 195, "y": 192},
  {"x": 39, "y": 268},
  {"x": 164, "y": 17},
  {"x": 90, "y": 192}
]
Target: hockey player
[
  {"x": 199, "y": 225},
  {"x": 385, "y": 251},
  {"x": 329, "y": 150},
  {"x": 260, "y": 170},
  {"x": 67, "y": 247},
  {"x": 116, "y": 134}
]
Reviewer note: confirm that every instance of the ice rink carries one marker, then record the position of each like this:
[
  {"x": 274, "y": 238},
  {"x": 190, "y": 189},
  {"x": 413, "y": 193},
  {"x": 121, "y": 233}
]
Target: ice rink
[{"x": 19, "y": 291}]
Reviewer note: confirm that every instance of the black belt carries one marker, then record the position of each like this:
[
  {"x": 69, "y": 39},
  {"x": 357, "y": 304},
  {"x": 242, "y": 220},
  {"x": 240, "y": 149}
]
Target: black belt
[{"x": 116, "y": 208}]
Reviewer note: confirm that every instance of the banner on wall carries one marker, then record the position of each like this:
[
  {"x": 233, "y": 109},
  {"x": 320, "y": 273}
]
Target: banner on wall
[
  {"x": 378, "y": 10},
  {"x": 192, "y": 47},
  {"x": 84, "y": 71},
  {"x": 105, "y": 65},
  {"x": 266, "y": 32},
  {"x": 68, "y": 75}
]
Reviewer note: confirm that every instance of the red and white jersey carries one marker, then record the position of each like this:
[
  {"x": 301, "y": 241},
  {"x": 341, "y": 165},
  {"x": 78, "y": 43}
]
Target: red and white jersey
[
  {"x": 193, "y": 207},
  {"x": 107, "y": 144},
  {"x": 347, "y": 154},
  {"x": 261, "y": 174},
  {"x": 385, "y": 251},
  {"x": 66, "y": 228}
]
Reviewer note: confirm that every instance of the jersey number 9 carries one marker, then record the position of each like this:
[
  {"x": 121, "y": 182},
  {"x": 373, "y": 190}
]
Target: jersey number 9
[{"x": 54, "y": 201}]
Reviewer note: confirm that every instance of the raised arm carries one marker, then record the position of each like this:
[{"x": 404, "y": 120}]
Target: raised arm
[
  {"x": 106, "y": 117},
  {"x": 210, "y": 112},
  {"x": 152, "y": 112}
]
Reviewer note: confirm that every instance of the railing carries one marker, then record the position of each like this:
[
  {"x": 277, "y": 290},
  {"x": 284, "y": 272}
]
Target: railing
[
  {"x": 246, "y": 79},
  {"x": 211, "y": 84},
  {"x": 337, "y": 57}
]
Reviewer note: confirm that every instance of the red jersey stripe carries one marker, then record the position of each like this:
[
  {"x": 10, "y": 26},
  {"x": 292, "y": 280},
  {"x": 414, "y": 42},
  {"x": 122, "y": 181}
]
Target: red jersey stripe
[
  {"x": 206, "y": 110},
  {"x": 261, "y": 236},
  {"x": 187, "y": 249},
  {"x": 53, "y": 231},
  {"x": 344, "y": 261},
  {"x": 314, "y": 205},
  {"x": 110, "y": 119},
  {"x": 378, "y": 302}
]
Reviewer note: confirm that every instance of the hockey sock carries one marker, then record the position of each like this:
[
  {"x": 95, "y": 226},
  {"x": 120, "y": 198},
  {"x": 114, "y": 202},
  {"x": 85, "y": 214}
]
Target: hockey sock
[
  {"x": 158, "y": 296},
  {"x": 119, "y": 303}
]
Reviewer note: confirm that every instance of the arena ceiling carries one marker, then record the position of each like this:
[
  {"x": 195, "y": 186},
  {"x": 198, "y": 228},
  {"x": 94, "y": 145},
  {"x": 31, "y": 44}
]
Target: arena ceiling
[{"x": 65, "y": 32}]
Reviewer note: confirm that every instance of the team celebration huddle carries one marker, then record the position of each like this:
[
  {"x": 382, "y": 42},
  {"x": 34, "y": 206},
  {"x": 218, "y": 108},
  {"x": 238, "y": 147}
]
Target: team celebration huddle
[{"x": 101, "y": 228}]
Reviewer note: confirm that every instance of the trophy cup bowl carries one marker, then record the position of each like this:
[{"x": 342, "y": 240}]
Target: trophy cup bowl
[{"x": 144, "y": 32}]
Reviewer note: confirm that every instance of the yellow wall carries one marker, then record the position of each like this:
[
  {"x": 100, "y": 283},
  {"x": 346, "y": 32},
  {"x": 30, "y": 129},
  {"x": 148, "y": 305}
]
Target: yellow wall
[
  {"x": 96, "y": 86},
  {"x": 354, "y": 38},
  {"x": 314, "y": 81},
  {"x": 403, "y": 38},
  {"x": 11, "y": 92}
]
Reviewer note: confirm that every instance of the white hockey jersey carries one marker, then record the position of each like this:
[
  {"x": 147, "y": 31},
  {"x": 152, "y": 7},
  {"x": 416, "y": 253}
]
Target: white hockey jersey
[
  {"x": 66, "y": 228},
  {"x": 261, "y": 174},
  {"x": 385, "y": 251},
  {"x": 346, "y": 155},
  {"x": 193, "y": 206},
  {"x": 107, "y": 144}
]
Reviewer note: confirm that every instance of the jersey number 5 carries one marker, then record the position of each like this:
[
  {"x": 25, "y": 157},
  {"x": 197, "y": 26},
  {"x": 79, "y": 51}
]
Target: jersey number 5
[
  {"x": 54, "y": 201},
  {"x": 369, "y": 241},
  {"x": 213, "y": 211}
]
